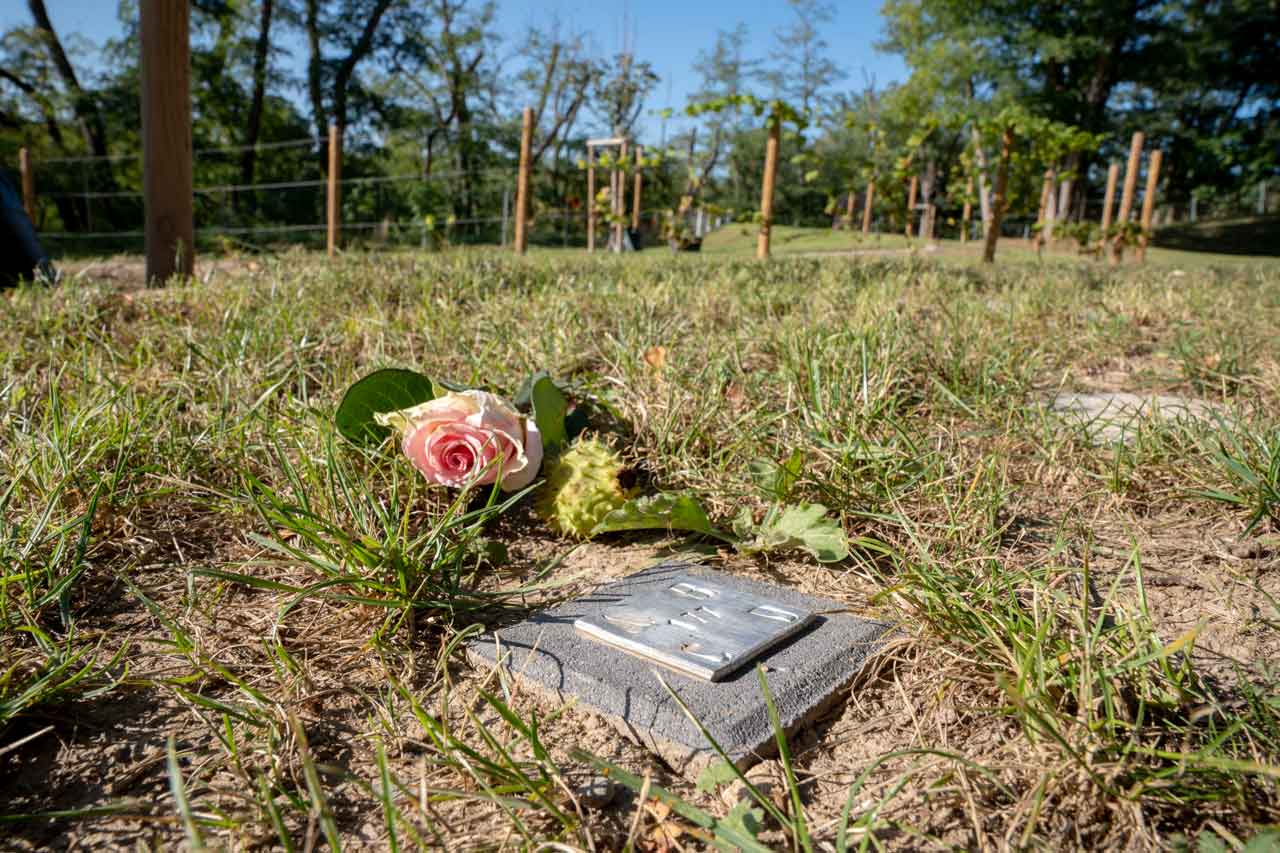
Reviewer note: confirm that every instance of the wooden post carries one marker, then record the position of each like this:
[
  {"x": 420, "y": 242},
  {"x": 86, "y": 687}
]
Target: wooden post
[
  {"x": 998, "y": 204},
  {"x": 848, "y": 210},
  {"x": 619, "y": 199},
  {"x": 766, "y": 191},
  {"x": 1109, "y": 203},
  {"x": 635, "y": 192},
  {"x": 1042, "y": 216},
  {"x": 591, "y": 199},
  {"x": 911, "y": 202},
  {"x": 967, "y": 215},
  {"x": 333, "y": 198},
  {"x": 166, "y": 138},
  {"x": 1130, "y": 187},
  {"x": 866, "y": 207},
  {"x": 1149, "y": 200},
  {"x": 522, "y": 182},
  {"x": 28, "y": 184}
]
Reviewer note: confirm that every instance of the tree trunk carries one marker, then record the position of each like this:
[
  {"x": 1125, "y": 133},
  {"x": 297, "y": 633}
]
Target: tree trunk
[
  {"x": 89, "y": 117},
  {"x": 999, "y": 202},
  {"x": 980, "y": 158},
  {"x": 315, "y": 78},
  {"x": 346, "y": 70},
  {"x": 462, "y": 110},
  {"x": 249, "y": 157},
  {"x": 85, "y": 107}
]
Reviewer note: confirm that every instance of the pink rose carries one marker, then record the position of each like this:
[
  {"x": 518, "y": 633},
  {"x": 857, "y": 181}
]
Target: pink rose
[{"x": 469, "y": 437}]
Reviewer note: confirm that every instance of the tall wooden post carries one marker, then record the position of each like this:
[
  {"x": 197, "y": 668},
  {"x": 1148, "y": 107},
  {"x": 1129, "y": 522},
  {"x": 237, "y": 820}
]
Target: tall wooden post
[
  {"x": 333, "y": 197},
  {"x": 1046, "y": 190},
  {"x": 1109, "y": 203},
  {"x": 635, "y": 192},
  {"x": 1149, "y": 200},
  {"x": 999, "y": 203},
  {"x": 967, "y": 215},
  {"x": 1130, "y": 187},
  {"x": 28, "y": 184},
  {"x": 866, "y": 207},
  {"x": 911, "y": 203},
  {"x": 619, "y": 199},
  {"x": 591, "y": 199},
  {"x": 766, "y": 190},
  {"x": 522, "y": 182},
  {"x": 166, "y": 138}
]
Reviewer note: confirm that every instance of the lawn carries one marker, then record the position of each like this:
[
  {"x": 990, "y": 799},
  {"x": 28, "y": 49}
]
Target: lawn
[{"x": 225, "y": 626}]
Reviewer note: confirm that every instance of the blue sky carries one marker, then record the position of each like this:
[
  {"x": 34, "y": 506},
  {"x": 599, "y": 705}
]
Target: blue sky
[{"x": 668, "y": 33}]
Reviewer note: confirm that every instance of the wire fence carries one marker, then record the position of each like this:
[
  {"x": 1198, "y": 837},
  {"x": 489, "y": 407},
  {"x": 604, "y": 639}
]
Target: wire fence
[
  {"x": 77, "y": 195},
  {"x": 94, "y": 204}
]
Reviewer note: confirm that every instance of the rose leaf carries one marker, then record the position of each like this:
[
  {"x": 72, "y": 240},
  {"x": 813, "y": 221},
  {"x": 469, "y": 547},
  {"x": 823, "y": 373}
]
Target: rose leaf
[
  {"x": 549, "y": 407},
  {"x": 388, "y": 390}
]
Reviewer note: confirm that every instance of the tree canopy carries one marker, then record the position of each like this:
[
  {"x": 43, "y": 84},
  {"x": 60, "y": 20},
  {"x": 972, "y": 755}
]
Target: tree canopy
[{"x": 429, "y": 95}]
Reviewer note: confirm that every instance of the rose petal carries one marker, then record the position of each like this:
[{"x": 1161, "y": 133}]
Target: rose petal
[{"x": 518, "y": 479}]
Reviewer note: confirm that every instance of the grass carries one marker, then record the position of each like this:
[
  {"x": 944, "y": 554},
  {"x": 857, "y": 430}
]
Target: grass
[{"x": 222, "y": 626}]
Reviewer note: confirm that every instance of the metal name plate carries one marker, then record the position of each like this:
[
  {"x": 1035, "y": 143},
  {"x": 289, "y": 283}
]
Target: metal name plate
[{"x": 696, "y": 626}]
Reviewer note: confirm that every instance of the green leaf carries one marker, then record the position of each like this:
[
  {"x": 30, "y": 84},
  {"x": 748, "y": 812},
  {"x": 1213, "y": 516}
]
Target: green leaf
[
  {"x": 663, "y": 511},
  {"x": 744, "y": 821},
  {"x": 381, "y": 391},
  {"x": 803, "y": 526},
  {"x": 777, "y": 479},
  {"x": 714, "y": 775},
  {"x": 549, "y": 407}
]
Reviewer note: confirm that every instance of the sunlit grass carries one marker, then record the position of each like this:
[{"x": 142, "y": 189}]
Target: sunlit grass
[{"x": 168, "y": 457}]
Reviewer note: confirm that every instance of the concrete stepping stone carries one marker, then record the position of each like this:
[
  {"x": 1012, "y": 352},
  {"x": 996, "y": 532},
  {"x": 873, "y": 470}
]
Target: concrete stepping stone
[
  {"x": 1115, "y": 416},
  {"x": 806, "y": 668}
]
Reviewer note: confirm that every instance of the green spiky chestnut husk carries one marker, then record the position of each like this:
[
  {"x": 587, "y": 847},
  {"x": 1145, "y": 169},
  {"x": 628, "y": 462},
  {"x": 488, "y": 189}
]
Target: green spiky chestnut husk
[{"x": 582, "y": 487}]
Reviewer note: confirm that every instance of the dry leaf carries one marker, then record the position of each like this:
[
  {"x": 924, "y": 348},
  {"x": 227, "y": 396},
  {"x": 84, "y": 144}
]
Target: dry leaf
[{"x": 656, "y": 357}]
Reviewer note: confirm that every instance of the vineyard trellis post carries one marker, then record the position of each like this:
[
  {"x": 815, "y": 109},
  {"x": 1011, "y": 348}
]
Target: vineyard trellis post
[
  {"x": 169, "y": 230},
  {"x": 591, "y": 198},
  {"x": 911, "y": 203},
  {"x": 1126, "y": 198},
  {"x": 1109, "y": 201},
  {"x": 619, "y": 199},
  {"x": 767, "y": 185},
  {"x": 1149, "y": 201},
  {"x": 28, "y": 184},
  {"x": 1046, "y": 199},
  {"x": 635, "y": 192},
  {"x": 522, "y": 182},
  {"x": 866, "y": 207},
  {"x": 333, "y": 198}
]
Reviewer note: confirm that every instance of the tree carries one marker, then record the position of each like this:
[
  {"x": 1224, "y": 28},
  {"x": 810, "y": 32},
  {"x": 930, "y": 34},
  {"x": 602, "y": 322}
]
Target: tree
[
  {"x": 724, "y": 74},
  {"x": 1201, "y": 72},
  {"x": 444, "y": 56},
  {"x": 619, "y": 96},
  {"x": 253, "y": 123},
  {"x": 803, "y": 74},
  {"x": 354, "y": 29},
  {"x": 561, "y": 77},
  {"x": 84, "y": 105}
]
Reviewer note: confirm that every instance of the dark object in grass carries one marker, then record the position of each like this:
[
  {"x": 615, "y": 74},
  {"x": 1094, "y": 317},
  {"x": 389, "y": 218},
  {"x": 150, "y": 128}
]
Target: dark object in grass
[
  {"x": 21, "y": 255},
  {"x": 685, "y": 245}
]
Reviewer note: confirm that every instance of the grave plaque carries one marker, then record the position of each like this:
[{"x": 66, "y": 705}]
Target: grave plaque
[
  {"x": 695, "y": 625},
  {"x": 621, "y": 650}
]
